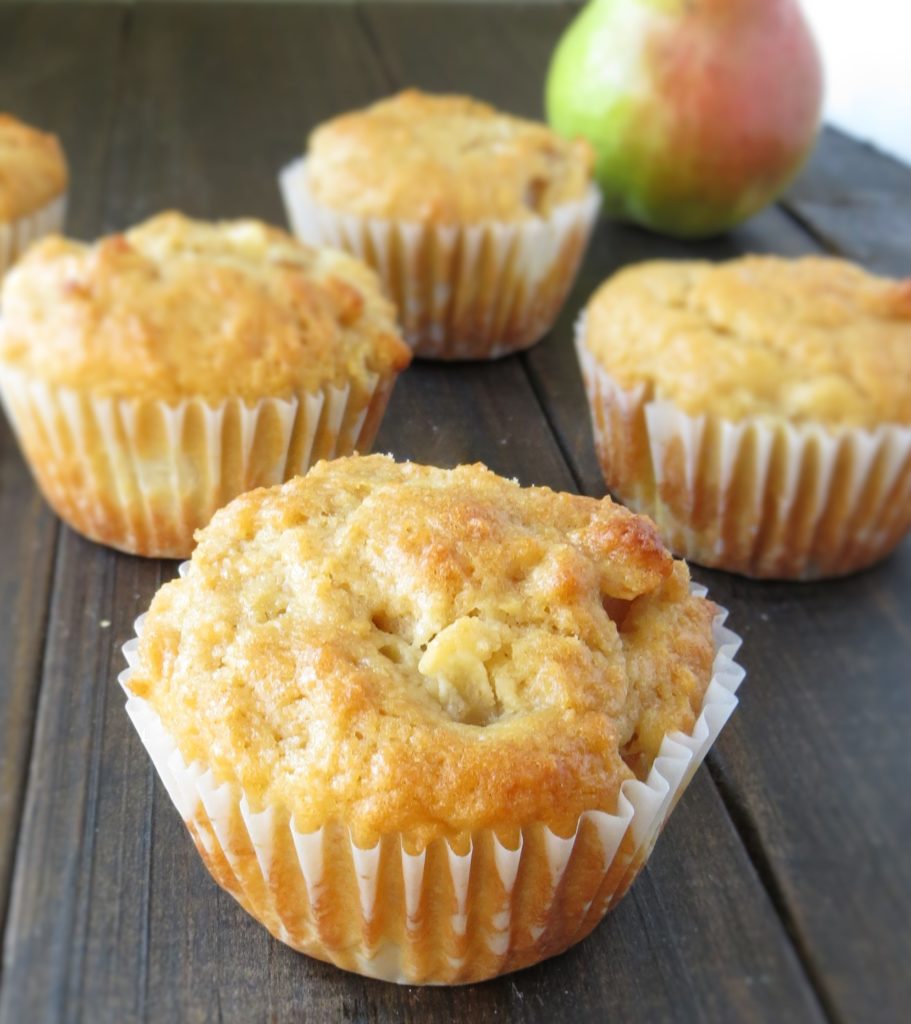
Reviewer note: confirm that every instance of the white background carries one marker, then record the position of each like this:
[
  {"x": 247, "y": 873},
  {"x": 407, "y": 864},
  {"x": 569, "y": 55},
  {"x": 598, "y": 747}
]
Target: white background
[{"x": 866, "y": 49}]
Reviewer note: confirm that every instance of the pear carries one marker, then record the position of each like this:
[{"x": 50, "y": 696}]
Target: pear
[{"x": 700, "y": 111}]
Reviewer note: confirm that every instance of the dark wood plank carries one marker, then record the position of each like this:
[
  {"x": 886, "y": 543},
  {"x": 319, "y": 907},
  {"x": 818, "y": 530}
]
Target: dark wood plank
[
  {"x": 48, "y": 79},
  {"x": 28, "y": 535},
  {"x": 857, "y": 202},
  {"x": 251, "y": 86},
  {"x": 814, "y": 766},
  {"x": 837, "y": 674},
  {"x": 84, "y": 842},
  {"x": 59, "y": 69}
]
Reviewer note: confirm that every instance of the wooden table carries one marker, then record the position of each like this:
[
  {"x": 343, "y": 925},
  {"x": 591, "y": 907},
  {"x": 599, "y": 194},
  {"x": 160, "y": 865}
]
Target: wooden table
[{"x": 781, "y": 890}]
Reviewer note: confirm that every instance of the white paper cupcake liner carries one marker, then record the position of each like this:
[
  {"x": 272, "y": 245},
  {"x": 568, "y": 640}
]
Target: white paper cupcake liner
[
  {"x": 444, "y": 914},
  {"x": 17, "y": 235},
  {"x": 757, "y": 497},
  {"x": 474, "y": 292},
  {"x": 142, "y": 475}
]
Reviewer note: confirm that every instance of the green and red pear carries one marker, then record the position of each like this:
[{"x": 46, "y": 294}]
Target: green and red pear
[{"x": 701, "y": 111}]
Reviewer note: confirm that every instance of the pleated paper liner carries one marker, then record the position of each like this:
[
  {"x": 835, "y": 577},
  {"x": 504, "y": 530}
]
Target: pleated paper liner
[
  {"x": 17, "y": 235},
  {"x": 450, "y": 913},
  {"x": 756, "y": 497},
  {"x": 142, "y": 475},
  {"x": 473, "y": 292}
]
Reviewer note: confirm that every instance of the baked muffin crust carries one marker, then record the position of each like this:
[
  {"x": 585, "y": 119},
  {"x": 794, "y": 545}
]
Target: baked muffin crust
[
  {"x": 33, "y": 169},
  {"x": 176, "y": 308},
  {"x": 411, "y": 649},
  {"x": 811, "y": 339},
  {"x": 444, "y": 159}
]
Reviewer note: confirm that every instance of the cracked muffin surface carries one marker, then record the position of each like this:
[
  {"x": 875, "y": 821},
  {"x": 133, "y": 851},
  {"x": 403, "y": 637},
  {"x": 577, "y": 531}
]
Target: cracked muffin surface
[
  {"x": 426, "y": 651},
  {"x": 178, "y": 308},
  {"x": 33, "y": 169},
  {"x": 444, "y": 159},
  {"x": 811, "y": 339}
]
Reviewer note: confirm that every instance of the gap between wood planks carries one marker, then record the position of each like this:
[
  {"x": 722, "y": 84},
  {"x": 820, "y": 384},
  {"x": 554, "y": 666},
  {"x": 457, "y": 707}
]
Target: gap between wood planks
[
  {"x": 7, "y": 882},
  {"x": 824, "y": 241}
]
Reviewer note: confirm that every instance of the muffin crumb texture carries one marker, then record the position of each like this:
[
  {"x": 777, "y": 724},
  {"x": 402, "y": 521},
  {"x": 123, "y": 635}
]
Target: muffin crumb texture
[
  {"x": 415, "y": 650},
  {"x": 178, "y": 308},
  {"x": 811, "y": 339},
  {"x": 444, "y": 159},
  {"x": 33, "y": 169}
]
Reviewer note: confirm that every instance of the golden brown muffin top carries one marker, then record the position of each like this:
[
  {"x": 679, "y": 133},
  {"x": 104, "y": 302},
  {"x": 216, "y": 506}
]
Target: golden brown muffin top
[
  {"x": 175, "y": 308},
  {"x": 811, "y": 339},
  {"x": 445, "y": 160},
  {"x": 428, "y": 651},
  {"x": 33, "y": 169}
]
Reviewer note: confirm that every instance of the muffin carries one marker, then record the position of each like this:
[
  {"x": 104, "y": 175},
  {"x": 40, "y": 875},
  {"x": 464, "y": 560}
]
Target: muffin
[
  {"x": 426, "y": 724},
  {"x": 759, "y": 409},
  {"x": 475, "y": 220},
  {"x": 33, "y": 181},
  {"x": 154, "y": 375}
]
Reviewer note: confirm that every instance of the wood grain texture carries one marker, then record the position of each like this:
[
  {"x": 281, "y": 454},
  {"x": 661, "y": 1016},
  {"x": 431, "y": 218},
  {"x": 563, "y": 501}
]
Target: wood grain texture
[
  {"x": 834, "y": 825},
  {"x": 787, "y": 857},
  {"x": 856, "y": 202},
  {"x": 52, "y": 73},
  {"x": 28, "y": 536},
  {"x": 84, "y": 835}
]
